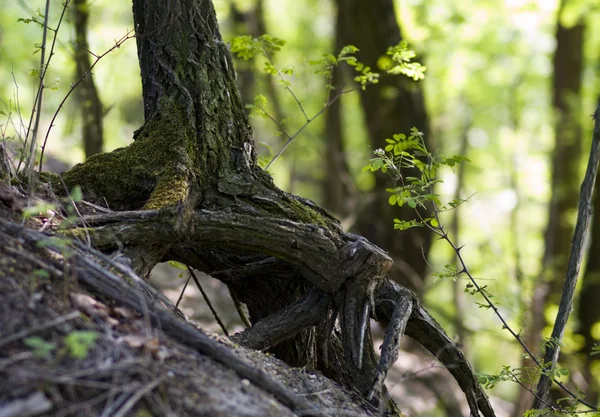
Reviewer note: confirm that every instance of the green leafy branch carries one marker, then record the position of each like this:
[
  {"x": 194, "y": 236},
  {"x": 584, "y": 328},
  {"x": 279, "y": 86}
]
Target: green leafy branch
[
  {"x": 31, "y": 131},
  {"x": 528, "y": 375},
  {"x": 408, "y": 154},
  {"x": 266, "y": 46},
  {"x": 97, "y": 57},
  {"x": 34, "y": 120},
  {"x": 401, "y": 62}
]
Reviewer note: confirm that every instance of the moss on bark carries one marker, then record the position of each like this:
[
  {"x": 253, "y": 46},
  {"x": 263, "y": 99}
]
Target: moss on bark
[{"x": 155, "y": 171}]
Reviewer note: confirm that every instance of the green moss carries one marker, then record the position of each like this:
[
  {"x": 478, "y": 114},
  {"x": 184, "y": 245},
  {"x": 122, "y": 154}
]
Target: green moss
[
  {"x": 153, "y": 172},
  {"x": 289, "y": 208},
  {"x": 306, "y": 214},
  {"x": 50, "y": 178},
  {"x": 168, "y": 191}
]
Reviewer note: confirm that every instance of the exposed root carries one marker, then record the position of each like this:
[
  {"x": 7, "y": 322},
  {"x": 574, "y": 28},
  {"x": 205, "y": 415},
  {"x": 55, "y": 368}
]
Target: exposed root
[{"x": 393, "y": 302}]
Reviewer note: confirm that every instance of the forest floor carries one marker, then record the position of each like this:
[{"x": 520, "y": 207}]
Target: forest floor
[{"x": 64, "y": 350}]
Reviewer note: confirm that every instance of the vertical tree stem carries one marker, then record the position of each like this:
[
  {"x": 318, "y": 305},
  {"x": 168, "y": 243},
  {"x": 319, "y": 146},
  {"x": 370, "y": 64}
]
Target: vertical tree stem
[{"x": 584, "y": 216}]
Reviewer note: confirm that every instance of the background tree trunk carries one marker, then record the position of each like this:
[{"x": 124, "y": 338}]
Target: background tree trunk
[
  {"x": 394, "y": 105},
  {"x": 339, "y": 191},
  {"x": 89, "y": 99}
]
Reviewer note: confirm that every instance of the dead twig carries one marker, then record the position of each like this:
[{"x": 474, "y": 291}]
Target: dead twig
[
  {"x": 27, "y": 332},
  {"x": 208, "y": 303}
]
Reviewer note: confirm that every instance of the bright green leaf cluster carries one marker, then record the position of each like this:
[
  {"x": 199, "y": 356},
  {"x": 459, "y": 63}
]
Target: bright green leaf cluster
[
  {"x": 453, "y": 160},
  {"x": 404, "y": 225},
  {"x": 401, "y": 63},
  {"x": 472, "y": 290},
  {"x": 325, "y": 65},
  {"x": 79, "y": 343},
  {"x": 258, "y": 107},
  {"x": 489, "y": 381},
  {"x": 39, "y": 347},
  {"x": 247, "y": 47},
  {"x": 404, "y": 155},
  {"x": 450, "y": 271},
  {"x": 39, "y": 19}
]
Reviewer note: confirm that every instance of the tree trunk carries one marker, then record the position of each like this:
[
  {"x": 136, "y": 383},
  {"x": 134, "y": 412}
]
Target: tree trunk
[{"x": 394, "y": 105}]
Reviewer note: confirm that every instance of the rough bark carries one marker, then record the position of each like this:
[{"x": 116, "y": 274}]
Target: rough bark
[
  {"x": 189, "y": 189},
  {"x": 394, "y": 105}
]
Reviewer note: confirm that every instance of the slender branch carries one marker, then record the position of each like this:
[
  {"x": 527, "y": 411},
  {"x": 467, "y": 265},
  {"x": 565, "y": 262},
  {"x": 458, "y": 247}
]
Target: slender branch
[
  {"x": 505, "y": 324},
  {"x": 208, "y": 303},
  {"x": 585, "y": 206},
  {"x": 182, "y": 292},
  {"x": 286, "y": 83},
  {"x": 37, "y": 106},
  {"x": 118, "y": 43},
  {"x": 238, "y": 306},
  {"x": 31, "y": 132},
  {"x": 133, "y": 400},
  {"x": 457, "y": 294},
  {"x": 308, "y": 121},
  {"x": 584, "y": 216}
]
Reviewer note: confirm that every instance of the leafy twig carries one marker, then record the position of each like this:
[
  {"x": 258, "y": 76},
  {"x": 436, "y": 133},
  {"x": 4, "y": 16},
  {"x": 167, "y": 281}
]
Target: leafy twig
[
  {"x": 205, "y": 296},
  {"x": 418, "y": 192},
  {"x": 118, "y": 43},
  {"x": 31, "y": 134},
  {"x": 306, "y": 123},
  {"x": 247, "y": 47}
]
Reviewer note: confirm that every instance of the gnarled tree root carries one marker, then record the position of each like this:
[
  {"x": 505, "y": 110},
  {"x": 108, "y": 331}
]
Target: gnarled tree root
[
  {"x": 346, "y": 273},
  {"x": 392, "y": 304}
]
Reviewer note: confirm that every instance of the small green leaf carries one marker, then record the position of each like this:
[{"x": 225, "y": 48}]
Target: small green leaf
[
  {"x": 178, "y": 265},
  {"x": 40, "y": 209},
  {"x": 348, "y": 50},
  {"x": 39, "y": 346},
  {"x": 404, "y": 225},
  {"x": 41, "y": 273},
  {"x": 77, "y": 194},
  {"x": 80, "y": 342}
]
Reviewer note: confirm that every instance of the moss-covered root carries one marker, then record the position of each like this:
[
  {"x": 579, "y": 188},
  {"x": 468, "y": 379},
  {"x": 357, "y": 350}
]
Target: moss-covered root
[{"x": 156, "y": 171}]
